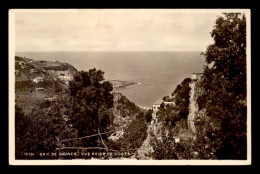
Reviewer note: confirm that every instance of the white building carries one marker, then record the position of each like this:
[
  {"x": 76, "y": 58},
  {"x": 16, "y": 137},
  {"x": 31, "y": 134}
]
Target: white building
[
  {"x": 39, "y": 89},
  {"x": 157, "y": 105},
  {"x": 38, "y": 79},
  {"x": 50, "y": 98},
  {"x": 176, "y": 139},
  {"x": 65, "y": 76}
]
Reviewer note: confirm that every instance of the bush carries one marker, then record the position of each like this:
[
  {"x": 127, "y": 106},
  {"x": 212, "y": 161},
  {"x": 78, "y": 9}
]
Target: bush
[
  {"x": 134, "y": 134},
  {"x": 21, "y": 129},
  {"x": 148, "y": 115},
  {"x": 23, "y": 85},
  {"x": 181, "y": 109},
  {"x": 224, "y": 86},
  {"x": 56, "y": 68}
]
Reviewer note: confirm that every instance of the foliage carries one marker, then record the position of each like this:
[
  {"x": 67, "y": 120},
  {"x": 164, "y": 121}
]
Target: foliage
[
  {"x": 165, "y": 98},
  {"x": 21, "y": 128},
  {"x": 27, "y": 85},
  {"x": 148, "y": 115},
  {"x": 127, "y": 107},
  {"x": 135, "y": 133},
  {"x": 92, "y": 100},
  {"x": 44, "y": 128},
  {"x": 224, "y": 84},
  {"x": 23, "y": 85},
  {"x": 56, "y": 68},
  {"x": 182, "y": 98},
  {"x": 18, "y": 58},
  {"x": 57, "y": 85},
  {"x": 181, "y": 109},
  {"x": 166, "y": 147},
  {"x": 221, "y": 119}
]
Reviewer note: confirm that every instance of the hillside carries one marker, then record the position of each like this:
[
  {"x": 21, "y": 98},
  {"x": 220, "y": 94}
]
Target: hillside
[
  {"x": 40, "y": 80},
  {"x": 53, "y": 78},
  {"x": 42, "y": 93},
  {"x": 124, "y": 112}
]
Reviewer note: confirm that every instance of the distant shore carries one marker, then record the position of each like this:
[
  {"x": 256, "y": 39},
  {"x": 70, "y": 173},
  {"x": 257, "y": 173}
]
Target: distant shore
[{"x": 120, "y": 84}]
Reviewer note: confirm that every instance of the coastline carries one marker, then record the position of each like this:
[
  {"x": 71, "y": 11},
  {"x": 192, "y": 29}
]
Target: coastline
[{"x": 120, "y": 84}]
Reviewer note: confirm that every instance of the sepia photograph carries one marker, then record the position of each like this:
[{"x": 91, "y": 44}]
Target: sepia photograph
[{"x": 129, "y": 87}]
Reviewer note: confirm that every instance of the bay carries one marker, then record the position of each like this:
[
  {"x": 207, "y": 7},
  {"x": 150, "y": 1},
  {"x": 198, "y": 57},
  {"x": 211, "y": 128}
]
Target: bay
[{"x": 157, "y": 72}]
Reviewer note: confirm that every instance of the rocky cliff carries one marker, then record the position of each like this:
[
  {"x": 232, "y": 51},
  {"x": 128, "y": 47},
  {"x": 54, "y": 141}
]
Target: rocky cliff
[{"x": 124, "y": 112}]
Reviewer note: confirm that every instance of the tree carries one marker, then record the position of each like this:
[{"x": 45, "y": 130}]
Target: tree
[
  {"x": 21, "y": 126},
  {"x": 47, "y": 127},
  {"x": 148, "y": 115},
  {"x": 92, "y": 100},
  {"x": 135, "y": 133},
  {"x": 181, "y": 109},
  {"x": 224, "y": 86},
  {"x": 43, "y": 129}
]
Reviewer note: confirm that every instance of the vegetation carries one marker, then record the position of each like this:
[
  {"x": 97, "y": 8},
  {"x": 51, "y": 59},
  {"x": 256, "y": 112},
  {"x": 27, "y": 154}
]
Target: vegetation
[
  {"x": 220, "y": 121},
  {"x": 126, "y": 107},
  {"x": 167, "y": 148},
  {"x": 21, "y": 129},
  {"x": 221, "y": 97},
  {"x": 171, "y": 114},
  {"x": 29, "y": 85},
  {"x": 148, "y": 116},
  {"x": 23, "y": 85},
  {"x": 134, "y": 134},
  {"x": 43, "y": 129},
  {"x": 92, "y": 101},
  {"x": 56, "y": 68},
  {"x": 224, "y": 86}
]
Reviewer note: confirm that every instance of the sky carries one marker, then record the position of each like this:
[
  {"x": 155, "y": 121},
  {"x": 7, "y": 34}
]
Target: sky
[{"x": 113, "y": 30}]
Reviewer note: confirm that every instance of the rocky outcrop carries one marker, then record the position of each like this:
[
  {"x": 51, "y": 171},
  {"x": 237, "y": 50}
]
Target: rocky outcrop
[
  {"x": 124, "y": 112},
  {"x": 145, "y": 151},
  {"x": 153, "y": 130},
  {"x": 194, "y": 112},
  {"x": 192, "y": 107}
]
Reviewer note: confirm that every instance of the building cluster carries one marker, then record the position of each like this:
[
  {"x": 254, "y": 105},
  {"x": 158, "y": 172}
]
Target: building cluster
[{"x": 65, "y": 76}]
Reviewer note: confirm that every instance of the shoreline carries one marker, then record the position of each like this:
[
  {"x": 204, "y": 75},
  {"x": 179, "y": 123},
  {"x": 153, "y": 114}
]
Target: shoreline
[{"x": 121, "y": 84}]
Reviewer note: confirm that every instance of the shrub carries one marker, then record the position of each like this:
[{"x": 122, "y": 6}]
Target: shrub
[
  {"x": 148, "y": 115},
  {"x": 134, "y": 134}
]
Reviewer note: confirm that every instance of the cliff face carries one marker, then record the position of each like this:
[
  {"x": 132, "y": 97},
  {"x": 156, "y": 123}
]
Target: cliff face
[
  {"x": 153, "y": 130},
  {"x": 124, "y": 112},
  {"x": 194, "y": 112},
  {"x": 193, "y": 108}
]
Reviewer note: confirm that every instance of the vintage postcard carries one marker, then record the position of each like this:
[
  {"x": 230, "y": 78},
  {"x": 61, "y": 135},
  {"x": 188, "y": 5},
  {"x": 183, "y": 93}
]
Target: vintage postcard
[{"x": 129, "y": 87}]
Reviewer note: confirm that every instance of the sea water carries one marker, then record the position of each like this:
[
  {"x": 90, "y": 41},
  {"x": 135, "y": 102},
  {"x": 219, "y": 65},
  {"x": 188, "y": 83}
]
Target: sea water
[{"x": 158, "y": 73}]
